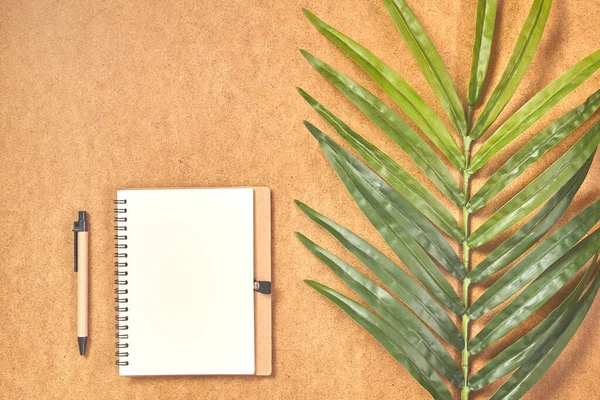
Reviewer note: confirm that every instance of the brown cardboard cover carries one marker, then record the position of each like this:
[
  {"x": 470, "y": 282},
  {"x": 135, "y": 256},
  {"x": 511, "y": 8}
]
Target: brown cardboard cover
[
  {"x": 263, "y": 319},
  {"x": 104, "y": 94}
]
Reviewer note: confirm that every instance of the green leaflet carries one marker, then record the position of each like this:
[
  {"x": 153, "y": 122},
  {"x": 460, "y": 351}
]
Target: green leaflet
[
  {"x": 391, "y": 340},
  {"x": 484, "y": 32},
  {"x": 537, "y": 293},
  {"x": 429, "y": 61},
  {"x": 526, "y": 236},
  {"x": 393, "y": 312},
  {"x": 535, "y": 108},
  {"x": 394, "y": 277},
  {"x": 525, "y": 48},
  {"x": 539, "y": 190},
  {"x": 403, "y": 182},
  {"x": 366, "y": 188},
  {"x": 397, "y": 88},
  {"x": 537, "y": 365},
  {"x": 393, "y": 126},
  {"x": 416, "y": 225},
  {"x": 551, "y": 327},
  {"x": 534, "y": 150},
  {"x": 536, "y": 262}
]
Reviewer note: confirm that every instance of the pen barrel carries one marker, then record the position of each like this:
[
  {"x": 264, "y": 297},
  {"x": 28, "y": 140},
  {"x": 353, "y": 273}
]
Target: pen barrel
[{"x": 82, "y": 284}]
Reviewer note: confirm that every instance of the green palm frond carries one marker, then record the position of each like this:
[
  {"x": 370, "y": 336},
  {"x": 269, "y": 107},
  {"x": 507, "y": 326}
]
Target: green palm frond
[{"x": 411, "y": 315}]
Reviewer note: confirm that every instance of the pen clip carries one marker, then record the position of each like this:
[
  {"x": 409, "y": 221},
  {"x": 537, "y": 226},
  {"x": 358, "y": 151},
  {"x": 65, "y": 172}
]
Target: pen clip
[
  {"x": 75, "y": 230},
  {"x": 81, "y": 225}
]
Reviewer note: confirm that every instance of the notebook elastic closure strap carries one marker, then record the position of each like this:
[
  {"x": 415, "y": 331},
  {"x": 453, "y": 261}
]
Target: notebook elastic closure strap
[{"x": 262, "y": 287}]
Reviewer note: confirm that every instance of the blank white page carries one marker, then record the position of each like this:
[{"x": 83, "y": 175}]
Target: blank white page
[{"x": 190, "y": 281}]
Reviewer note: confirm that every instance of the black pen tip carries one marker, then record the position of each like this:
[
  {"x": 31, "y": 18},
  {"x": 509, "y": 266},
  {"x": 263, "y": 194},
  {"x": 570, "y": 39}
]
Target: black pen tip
[{"x": 82, "y": 341}]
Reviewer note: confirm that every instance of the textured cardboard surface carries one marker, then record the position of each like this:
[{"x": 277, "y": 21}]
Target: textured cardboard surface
[{"x": 101, "y": 95}]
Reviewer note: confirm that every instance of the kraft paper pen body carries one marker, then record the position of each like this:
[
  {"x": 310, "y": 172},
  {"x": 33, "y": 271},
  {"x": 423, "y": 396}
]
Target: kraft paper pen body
[{"x": 80, "y": 229}]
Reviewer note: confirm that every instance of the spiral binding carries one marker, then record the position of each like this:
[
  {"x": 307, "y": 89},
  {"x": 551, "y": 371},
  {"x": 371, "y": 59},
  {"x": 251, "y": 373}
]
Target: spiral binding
[{"x": 121, "y": 281}]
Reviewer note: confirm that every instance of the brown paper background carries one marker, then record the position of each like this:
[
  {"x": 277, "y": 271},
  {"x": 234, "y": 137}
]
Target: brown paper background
[{"x": 101, "y": 95}]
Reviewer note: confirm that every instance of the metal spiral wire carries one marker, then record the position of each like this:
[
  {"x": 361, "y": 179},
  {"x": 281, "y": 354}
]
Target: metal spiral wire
[{"x": 120, "y": 283}]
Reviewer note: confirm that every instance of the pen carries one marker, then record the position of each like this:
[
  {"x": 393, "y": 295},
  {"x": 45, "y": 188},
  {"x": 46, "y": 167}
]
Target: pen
[{"x": 80, "y": 230}]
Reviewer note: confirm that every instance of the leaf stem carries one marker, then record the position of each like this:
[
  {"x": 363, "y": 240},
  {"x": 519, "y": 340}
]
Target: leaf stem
[
  {"x": 469, "y": 115},
  {"x": 466, "y": 262}
]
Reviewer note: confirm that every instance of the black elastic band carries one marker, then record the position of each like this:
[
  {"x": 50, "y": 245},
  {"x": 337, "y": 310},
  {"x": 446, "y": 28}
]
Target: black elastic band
[{"x": 262, "y": 287}]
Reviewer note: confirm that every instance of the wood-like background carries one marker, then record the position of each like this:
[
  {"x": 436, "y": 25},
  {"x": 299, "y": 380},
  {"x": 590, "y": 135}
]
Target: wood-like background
[{"x": 102, "y": 94}]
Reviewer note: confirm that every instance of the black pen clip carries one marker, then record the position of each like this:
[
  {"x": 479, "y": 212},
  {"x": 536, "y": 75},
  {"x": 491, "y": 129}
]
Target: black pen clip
[{"x": 80, "y": 225}]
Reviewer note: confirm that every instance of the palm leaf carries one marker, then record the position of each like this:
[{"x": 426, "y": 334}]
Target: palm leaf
[
  {"x": 535, "y": 108},
  {"x": 525, "y": 48},
  {"x": 393, "y": 277},
  {"x": 397, "y": 88},
  {"x": 551, "y": 327},
  {"x": 390, "y": 339},
  {"x": 539, "y": 190},
  {"x": 526, "y": 236},
  {"x": 390, "y": 123},
  {"x": 537, "y": 293},
  {"x": 392, "y": 311},
  {"x": 429, "y": 60},
  {"x": 484, "y": 32},
  {"x": 410, "y": 316}
]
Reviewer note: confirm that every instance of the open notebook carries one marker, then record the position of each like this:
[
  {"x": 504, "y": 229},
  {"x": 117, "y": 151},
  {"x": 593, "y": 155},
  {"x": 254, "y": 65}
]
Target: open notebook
[{"x": 187, "y": 298}]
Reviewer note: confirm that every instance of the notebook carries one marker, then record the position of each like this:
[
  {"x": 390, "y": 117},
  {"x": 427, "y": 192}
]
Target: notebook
[{"x": 193, "y": 271}]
